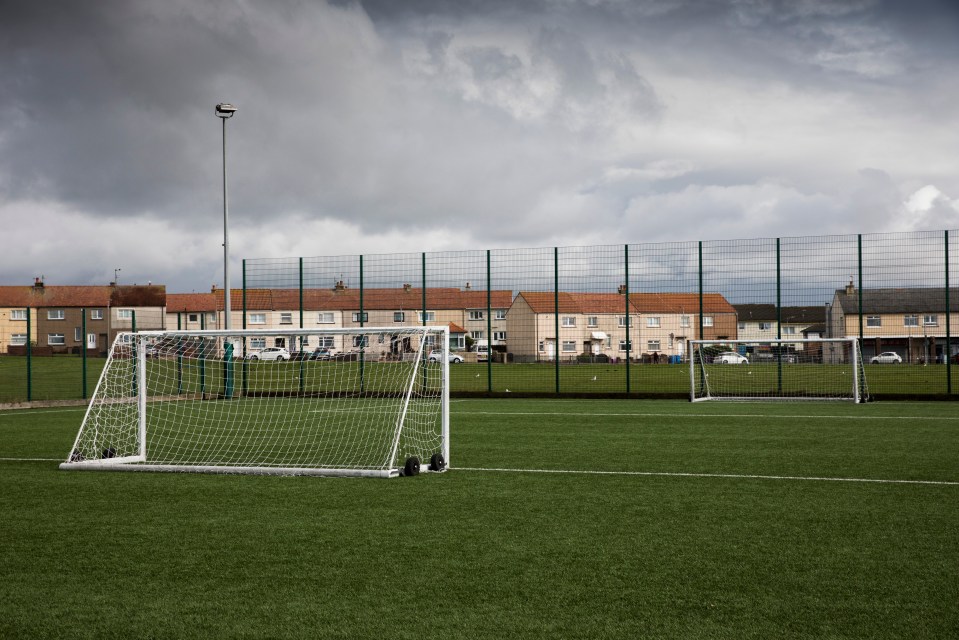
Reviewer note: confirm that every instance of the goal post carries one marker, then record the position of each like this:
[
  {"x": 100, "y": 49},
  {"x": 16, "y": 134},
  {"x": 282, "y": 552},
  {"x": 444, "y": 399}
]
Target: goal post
[
  {"x": 783, "y": 369},
  {"x": 365, "y": 401}
]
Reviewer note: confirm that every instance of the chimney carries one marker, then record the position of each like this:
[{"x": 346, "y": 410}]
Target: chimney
[
  {"x": 213, "y": 289},
  {"x": 468, "y": 287},
  {"x": 850, "y": 288},
  {"x": 339, "y": 286},
  {"x": 407, "y": 287},
  {"x": 621, "y": 290},
  {"x": 38, "y": 282}
]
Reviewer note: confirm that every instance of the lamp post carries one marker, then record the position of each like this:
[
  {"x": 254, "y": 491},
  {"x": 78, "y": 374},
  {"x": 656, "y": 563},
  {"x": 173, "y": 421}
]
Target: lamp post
[{"x": 225, "y": 110}]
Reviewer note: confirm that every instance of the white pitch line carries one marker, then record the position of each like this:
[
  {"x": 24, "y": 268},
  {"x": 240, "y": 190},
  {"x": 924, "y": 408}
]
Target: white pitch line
[
  {"x": 31, "y": 459},
  {"x": 700, "y": 415},
  {"x": 734, "y": 476}
]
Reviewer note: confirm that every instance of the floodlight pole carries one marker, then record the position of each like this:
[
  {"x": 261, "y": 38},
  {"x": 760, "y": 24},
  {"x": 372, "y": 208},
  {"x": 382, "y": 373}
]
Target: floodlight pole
[{"x": 224, "y": 111}]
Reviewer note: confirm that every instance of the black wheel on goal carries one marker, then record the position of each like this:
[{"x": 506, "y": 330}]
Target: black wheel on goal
[
  {"x": 437, "y": 462},
  {"x": 412, "y": 466}
]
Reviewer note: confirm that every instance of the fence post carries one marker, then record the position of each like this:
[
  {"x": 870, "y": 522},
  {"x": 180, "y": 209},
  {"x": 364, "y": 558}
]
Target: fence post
[
  {"x": 362, "y": 337},
  {"x": 302, "y": 354},
  {"x": 489, "y": 327},
  {"x": 626, "y": 296},
  {"x": 245, "y": 368},
  {"x": 701, "y": 336},
  {"x": 948, "y": 352},
  {"x": 29, "y": 359},
  {"x": 556, "y": 343},
  {"x": 779, "y": 318},
  {"x": 83, "y": 352},
  {"x": 859, "y": 261}
]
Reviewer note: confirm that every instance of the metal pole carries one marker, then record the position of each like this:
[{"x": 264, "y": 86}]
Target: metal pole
[
  {"x": 556, "y": 310},
  {"x": 948, "y": 348},
  {"x": 626, "y": 297},
  {"x": 226, "y": 241}
]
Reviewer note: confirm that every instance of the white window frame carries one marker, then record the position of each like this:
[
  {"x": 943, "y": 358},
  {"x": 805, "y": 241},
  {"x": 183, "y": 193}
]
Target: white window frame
[
  {"x": 56, "y": 339},
  {"x": 96, "y": 314},
  {"x": 499, "y": 336},
  {"x": 361, "y": 341},
  {"x": 653, "y": 322},
  {"x": 399, "y": 316},
  {"x": 477, "y": 315},
  {"x": 569, "y": 322},
  {"x": 77, "y": 334},
  {"x": 124, "y": 314},
  {"x": 325, "y": 317},
  {"x": 684, "y": 322},
  {"x": 592, "y": 321},
  {"x": 56, "y": 314},
  {"x": 873, "y": 321},
  {"x": 707, "y": 321},
  {"x": 258, "y": 343},
  {"x": 500, "y": 314},
  {"x": 765, "y": 326},
  {"x": 569, "y": 346},
  {"x": 358, "y": 317},
  {"x": 789, "y": 331},
  {"x": 623, "y": 344},
  {"x": 18, "y": 339},
  {"x": 622, "y": 321},
  {"x": 286, "y": 317},
  {"x": 430, "y": 316},
  {"x": 18, "y": 314},
  {"x": 930, "y": 320},
  {"x": 458, "y": 342},
  {"x": 257, "y": 318},
  {"x": 654, "y": 345},
  {"x": 910, "y": 320}
]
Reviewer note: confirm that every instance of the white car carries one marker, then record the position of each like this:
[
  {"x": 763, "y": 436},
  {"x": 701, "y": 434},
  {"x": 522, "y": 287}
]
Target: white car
[
  {"x": 436, "y": 356},
  {"x": 270, "y": 353},
  {"x": 730, "y": 357},
  {"x": 887, "y": 357}
]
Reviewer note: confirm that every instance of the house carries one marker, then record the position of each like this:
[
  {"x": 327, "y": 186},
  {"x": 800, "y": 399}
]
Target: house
[
  {"x": 69, "y": 319},
  {"x": 909, "y": 321},
  {"x": 761, "y": 322},
  {"x": 652, "y": 327}
]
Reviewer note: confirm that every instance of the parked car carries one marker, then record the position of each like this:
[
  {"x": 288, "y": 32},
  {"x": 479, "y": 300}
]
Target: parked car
[
  {"x": 886, "y": 357},
  {"x": 270, "y": 353},
  {"x": 436, "y": 356},
  {"x": 730, "y": 357},
  {"x": 320, "y": 353}
]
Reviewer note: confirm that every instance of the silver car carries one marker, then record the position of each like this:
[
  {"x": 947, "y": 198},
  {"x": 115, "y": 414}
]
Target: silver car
[
  {"x": 887, "y": 357},
  {"x": 730, "y": 357}
]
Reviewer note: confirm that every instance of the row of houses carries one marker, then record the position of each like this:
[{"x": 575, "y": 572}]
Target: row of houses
[{"x": 530, "y": 326}]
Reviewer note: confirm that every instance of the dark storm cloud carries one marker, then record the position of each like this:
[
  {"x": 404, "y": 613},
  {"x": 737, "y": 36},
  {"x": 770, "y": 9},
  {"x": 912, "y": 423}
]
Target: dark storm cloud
[{"x": 376, "y": 125}]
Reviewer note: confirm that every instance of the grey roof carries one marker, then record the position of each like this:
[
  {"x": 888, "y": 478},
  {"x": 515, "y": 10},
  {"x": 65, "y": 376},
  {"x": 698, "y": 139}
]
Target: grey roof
[
  {"x": 903, "y": 300},
  {"x": 790, "y": 315}
]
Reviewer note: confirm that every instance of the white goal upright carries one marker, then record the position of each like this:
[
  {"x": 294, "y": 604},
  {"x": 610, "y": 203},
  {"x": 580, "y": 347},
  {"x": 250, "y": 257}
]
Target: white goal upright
[
  {"x": 786, "y": 369},
  {"x": 353, "y": 402}
]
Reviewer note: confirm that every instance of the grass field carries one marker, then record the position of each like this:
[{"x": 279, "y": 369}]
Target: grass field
[{"x": 559, "y": 519}]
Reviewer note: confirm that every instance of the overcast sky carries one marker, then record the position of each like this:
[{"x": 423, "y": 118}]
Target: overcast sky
[{"x": 404, "y": 126}]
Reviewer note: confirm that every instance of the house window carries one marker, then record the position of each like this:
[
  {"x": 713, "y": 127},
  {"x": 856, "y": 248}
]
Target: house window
[
  {"x": 56, "y": 339},
  {"x": 873, "y": 321},
  {"x": 125, "y": 314},
  {"x": 77, "y": 334},
  {"x": 622, "y": 321},
  {"x": 458, "y": 342},
  {"x": 258, "y": 343},
  {"x": 286, "y": 318},
  {"x": 361, "y": 341},
  {"x": 501, "y": 314},
  {"x": 542, "y": 346},
  {"x": 55, "y": 314},
  {"x": 625, "y": 344},
  {"x": 399, "y": 316},
  {"x": 430, "y": 316},
  {"x": 592, "y": 321},
  {"x": 18, "y": 314},
  {"x": 18, "y": 339},
  {"x": 569, "y": 321},
  {"x": 499, "y": 336},
  {"x": 211, "y": 317},
  {"x": 653, "y": 345},
  {"x": 569, "y": 346},
  {"x": 476, "y": 315},
  {"x": 324, "y": 317},
  {"x": 707, "y": 321},
  {"x": 741, "y": 326},
  {"x": 478, "y": 335},
  {"x": 193, "y": 317},
  {"x": 653, "y": 322},
  {"x": 429, "y": 341},
  {"x": 257, "y": 318},
  {"x": 765, "y": 326},
  {"x": 789, "y": 331},
  {"x": 361, "y": 317},
  {"x": 930, "y": 320},
  {"x": 684, "y": 321},
  {"x": 325, "y": 341},
  {"x": 910, "y": 321},
  {"x": 96, "y": 314}
]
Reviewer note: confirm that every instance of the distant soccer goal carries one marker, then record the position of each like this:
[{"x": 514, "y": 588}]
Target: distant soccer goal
[
  {"x": 354, "y": 402},
  {"x": 789, "y": 369}
]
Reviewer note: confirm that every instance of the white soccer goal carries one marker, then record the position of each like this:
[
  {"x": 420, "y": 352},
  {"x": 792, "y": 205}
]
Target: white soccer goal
[
  {"x": 788, "y": 369},
  {"x": 354, "y": 402}
]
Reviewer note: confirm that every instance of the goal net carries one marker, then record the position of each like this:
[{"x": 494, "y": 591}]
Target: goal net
[
  {"x": 788, "y": 369},
  {"x": 362, "y": 402}
]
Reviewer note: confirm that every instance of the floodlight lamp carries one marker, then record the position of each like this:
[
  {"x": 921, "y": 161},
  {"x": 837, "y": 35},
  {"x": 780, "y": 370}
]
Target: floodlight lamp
[{"x": 225, "y": 110}]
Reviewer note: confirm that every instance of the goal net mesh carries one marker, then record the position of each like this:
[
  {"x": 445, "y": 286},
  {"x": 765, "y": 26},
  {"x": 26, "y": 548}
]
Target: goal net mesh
[
  {"x": 207, "y": 401},
  {"x": 807, "y": 369}
]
